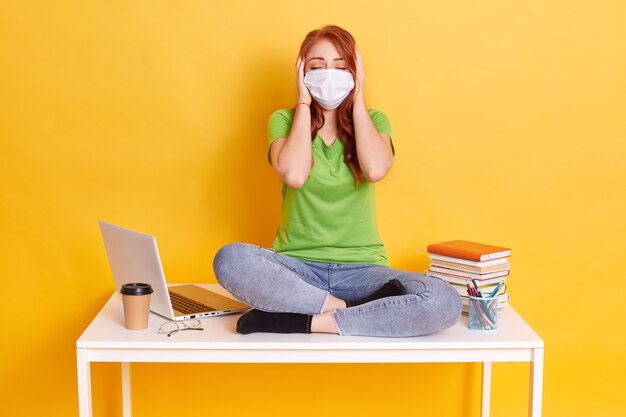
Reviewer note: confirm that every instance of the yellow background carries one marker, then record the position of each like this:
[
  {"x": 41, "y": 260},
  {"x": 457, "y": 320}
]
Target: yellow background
[{"x": 508, "y": 119}]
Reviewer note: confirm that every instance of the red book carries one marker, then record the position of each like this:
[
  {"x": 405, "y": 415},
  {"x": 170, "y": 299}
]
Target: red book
[{"x": 470, "y": 251}]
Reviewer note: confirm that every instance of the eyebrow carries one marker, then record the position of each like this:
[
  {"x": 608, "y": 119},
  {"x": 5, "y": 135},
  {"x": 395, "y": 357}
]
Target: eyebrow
[{"x": 319, "y": 57}]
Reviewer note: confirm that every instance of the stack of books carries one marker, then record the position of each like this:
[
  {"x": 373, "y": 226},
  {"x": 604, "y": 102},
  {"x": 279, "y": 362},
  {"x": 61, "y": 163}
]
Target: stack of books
[{"x": 459, "y": 262}]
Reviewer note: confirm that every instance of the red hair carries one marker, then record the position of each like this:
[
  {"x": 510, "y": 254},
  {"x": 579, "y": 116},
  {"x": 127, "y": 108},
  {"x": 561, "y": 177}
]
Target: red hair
[{"x": 346, "y": 46}]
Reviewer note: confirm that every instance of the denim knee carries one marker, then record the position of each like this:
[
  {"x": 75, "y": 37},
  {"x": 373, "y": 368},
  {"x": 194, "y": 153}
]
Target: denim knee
[
  {"x": 445, "y": 300},
  {"x": 228, "y": 260},
  {"x": 250, "y": 273},
  {"x": 440, "y": 309}
]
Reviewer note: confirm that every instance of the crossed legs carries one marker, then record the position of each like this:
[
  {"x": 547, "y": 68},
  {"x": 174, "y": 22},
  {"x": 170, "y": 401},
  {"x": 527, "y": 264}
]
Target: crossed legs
[{"x": 411, "y": 305}]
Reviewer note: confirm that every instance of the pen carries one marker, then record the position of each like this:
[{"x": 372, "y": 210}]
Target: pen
[
  {"x": 476, "y": 286},
  {"x": 495, "y": 290},
  {"x": 472, "y": 291}
]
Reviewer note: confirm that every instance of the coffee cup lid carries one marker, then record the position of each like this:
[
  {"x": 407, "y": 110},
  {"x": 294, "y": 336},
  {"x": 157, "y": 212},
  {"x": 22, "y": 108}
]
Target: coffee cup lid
[{"x": 136, "y": 288}]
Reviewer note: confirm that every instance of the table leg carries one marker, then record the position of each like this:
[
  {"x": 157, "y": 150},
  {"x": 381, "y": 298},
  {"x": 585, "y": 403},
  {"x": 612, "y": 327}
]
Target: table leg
[
  {"x": 536, "y": 383},
  {"x": 126, "y": 390},
  {"x": 486, "y": 401},
  {"x": 83, "y": 367}
]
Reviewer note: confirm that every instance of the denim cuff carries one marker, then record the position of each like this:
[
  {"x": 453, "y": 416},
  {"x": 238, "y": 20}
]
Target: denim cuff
[
  {"x": 334, "y": 316},
  {"x": 324, "y": 303}
]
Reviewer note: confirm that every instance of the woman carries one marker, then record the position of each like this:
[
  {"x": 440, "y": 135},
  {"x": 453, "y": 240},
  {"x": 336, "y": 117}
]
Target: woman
[{"x": 327, "y": 270}]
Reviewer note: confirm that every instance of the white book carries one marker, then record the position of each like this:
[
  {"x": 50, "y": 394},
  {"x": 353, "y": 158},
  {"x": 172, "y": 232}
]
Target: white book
[
  {"x": 462, "y": 289},
  {"x": 468, "y": 275},
  {"x": 482, "y": 264},
  {"x": 463, "y": 281}
]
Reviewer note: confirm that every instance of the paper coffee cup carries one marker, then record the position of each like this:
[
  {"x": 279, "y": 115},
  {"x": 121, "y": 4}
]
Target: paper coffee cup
[{"x": 136, "y": 298}]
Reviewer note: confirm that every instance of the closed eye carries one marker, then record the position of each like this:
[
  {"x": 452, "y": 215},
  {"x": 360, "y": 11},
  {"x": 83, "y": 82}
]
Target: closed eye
[{"x": 314, "y": 68}]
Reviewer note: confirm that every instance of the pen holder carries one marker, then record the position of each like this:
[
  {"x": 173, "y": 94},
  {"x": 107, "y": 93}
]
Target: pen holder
[{"x": 483, "y": 313}]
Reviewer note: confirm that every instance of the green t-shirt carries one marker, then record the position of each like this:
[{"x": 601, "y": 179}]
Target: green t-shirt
[{"x": 328, "y": 219}]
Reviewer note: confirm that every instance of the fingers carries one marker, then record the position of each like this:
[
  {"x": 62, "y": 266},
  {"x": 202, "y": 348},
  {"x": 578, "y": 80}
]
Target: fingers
[
  {"x": 360, "y": 76},
  {"x": 303, "y": 91},
  {"x": 359, "y": 64},
  {"x": 359, "y": 59},
  {"x": 299, "y": 72},
  {"x": 300, "y": 67}
]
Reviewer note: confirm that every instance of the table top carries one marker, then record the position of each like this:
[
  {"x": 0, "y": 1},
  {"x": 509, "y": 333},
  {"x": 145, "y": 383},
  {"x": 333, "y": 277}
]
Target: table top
[{"x": 107, "y": 331}]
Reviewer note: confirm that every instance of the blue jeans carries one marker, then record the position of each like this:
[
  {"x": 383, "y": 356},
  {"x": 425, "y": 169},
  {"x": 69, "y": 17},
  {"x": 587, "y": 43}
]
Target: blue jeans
[{"x": 272, "y": 282}]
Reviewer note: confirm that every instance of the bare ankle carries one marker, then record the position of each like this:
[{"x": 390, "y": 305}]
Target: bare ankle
[
  {"x": 333, "y": 303},
  {"x": 324, "y": 323}
]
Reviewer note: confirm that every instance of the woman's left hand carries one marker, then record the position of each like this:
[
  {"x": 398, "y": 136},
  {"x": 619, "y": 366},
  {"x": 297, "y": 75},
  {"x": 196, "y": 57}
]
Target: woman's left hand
[{"x": 360, "y": 77}]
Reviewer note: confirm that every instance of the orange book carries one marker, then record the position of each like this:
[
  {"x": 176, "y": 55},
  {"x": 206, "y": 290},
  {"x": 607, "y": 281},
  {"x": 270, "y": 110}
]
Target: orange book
[{"x": 470, "y": 251}]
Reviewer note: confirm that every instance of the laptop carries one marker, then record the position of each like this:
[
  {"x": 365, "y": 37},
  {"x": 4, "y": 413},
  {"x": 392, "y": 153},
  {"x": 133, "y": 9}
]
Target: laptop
[{"x": 134, "y": 257}]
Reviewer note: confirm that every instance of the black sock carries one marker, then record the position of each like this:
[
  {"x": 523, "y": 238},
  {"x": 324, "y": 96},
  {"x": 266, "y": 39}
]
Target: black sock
[
  {"x": 262, "y": 321},
  {"x": 391, "y": 288}
]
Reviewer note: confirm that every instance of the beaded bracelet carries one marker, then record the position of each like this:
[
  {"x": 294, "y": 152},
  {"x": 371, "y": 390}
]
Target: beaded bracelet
[{"x": 302, "y": 102}]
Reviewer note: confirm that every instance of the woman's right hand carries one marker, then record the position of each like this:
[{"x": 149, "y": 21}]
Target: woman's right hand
[{"x": 304, "y": 96}]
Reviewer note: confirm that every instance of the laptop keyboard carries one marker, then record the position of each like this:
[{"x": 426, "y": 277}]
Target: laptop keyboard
[{"x": 187, "y": 305}]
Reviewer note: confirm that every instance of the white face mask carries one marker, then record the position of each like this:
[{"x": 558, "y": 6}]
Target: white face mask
[{"x": 329, "y": 87}]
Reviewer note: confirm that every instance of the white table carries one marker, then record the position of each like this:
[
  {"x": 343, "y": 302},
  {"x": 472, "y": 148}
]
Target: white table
[{"x": 106, "y": 340}]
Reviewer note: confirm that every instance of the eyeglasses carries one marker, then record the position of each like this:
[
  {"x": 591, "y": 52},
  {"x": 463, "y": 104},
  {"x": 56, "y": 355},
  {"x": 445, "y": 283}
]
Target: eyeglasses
[{"x": 171, "y": 327}]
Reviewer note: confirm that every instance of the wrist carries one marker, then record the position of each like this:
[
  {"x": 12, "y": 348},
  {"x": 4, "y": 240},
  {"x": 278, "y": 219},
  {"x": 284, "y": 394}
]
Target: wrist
[
  {"x": 359, "y": 101},
  {"x": 304, "y": 99}
]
